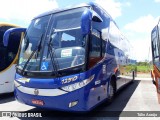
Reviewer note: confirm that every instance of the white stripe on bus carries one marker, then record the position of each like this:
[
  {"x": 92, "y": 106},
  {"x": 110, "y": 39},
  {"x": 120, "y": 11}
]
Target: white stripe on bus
[{"x": 42, "y": 92}]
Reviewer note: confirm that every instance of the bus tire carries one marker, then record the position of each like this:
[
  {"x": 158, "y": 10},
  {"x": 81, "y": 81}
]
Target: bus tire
[{"x": 112, "y": 89}]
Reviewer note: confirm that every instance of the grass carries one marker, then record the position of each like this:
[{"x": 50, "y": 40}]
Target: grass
[{"x": 143, "y": 69}]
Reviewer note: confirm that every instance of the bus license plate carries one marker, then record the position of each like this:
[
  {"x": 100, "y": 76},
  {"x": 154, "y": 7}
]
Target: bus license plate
[{"x": 38, "y": 102}]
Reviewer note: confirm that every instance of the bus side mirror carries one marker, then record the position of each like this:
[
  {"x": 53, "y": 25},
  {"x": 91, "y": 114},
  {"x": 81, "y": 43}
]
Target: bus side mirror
[
  {"x": 6, "y": 36},
  {"x": 86, "y": 22},
  {"x": 86, "y": 19}
]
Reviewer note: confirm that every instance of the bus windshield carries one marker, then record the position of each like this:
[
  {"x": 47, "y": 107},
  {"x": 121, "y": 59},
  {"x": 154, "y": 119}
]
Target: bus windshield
[{"x": 53, "y": 43}]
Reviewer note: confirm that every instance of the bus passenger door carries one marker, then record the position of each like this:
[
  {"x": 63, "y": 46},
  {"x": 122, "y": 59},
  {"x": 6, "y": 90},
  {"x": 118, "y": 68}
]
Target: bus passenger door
[{"x": 98, "y": 67}]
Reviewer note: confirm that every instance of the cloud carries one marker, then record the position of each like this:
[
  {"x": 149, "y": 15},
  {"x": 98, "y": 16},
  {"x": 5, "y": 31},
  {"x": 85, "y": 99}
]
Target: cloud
[
  {"x": 128, "y": 4},
  {"x": 141, "y": 48},
  {"x": 24, "y": 10},
  {"x": 112, "y": 7},
  {"x": 139, "y": 33},
  {"x": 143, "y": 24},
  {"x": 157, "y": 0}
]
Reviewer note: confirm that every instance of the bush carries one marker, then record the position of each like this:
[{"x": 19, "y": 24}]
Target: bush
[{"x": 143, "y": 69}]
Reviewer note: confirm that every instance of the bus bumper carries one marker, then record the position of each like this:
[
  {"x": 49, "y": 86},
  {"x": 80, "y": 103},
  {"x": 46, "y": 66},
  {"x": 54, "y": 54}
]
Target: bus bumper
[{"x": 72, "y": 101}]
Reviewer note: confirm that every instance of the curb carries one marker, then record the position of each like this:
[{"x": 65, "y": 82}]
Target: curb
[{"x": 149, "y": 79}]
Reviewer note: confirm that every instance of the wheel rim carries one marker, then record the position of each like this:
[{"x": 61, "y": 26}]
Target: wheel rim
[{"x": 111, "y": 91}]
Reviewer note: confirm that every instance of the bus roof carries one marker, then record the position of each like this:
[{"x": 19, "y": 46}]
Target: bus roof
[
  {"x": 156, "y": 26},
  {"x": 90, "y": 4},
  {"x": 154, "y": 29},
  {"x": 69, "y": 8},
  {"x": 8, "y": 24},
  {"x": 60, "y": 10}
]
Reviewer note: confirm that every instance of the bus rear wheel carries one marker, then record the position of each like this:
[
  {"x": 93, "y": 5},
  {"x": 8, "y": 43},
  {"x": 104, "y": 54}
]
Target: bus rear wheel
[{"x": 112, "y": 90}]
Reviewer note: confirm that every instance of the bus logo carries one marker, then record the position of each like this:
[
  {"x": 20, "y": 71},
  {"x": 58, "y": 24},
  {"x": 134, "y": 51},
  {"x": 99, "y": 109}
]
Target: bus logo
[
  {"x": 36, "y": 91},
  {"x": 6, "y": 114},
  {"x": 68, "y": 80}
]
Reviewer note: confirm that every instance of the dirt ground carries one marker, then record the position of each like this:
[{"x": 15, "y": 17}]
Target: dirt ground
[{"x": 144, "y": 75}]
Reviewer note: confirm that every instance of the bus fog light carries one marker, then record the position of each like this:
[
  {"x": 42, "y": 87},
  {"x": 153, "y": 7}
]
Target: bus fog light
[{"x": 74, "y": 103}]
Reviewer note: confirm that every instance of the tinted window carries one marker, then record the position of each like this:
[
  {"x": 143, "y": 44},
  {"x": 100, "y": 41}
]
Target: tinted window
[
  {"x": 95, "y": 45},
  {"x": 103, "y": 48},
  {"x": 95, "y": 48},
  {"x": 155, "y": 44}
]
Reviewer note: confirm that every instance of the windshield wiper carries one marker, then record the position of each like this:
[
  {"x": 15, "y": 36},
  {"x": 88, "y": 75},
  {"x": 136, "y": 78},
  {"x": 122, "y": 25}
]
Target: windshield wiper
[
  {"x": 37, "y": 48},
  {"x": 52, "y": 55}
]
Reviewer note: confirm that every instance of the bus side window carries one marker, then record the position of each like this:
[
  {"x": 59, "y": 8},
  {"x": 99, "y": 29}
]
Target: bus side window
[
  {"x": 155, "y": 45},
  {"x": 155, "y": 48},
  {"x": 95, "y": 48},
  {"x": 103, "y": 48}
]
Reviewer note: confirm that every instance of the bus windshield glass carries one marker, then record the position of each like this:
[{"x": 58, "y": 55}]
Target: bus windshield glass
[{"x": 53, "y": 42}]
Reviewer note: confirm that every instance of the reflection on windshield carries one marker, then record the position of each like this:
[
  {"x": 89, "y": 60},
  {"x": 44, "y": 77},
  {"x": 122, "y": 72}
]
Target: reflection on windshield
[
  {"x": 68, "y": 38},
  {"x": 66, "y": 48},
  {"x": 30, "y": 50},
  {"x": 63, "y": 45},
  {"x": 67, "y": 57}
]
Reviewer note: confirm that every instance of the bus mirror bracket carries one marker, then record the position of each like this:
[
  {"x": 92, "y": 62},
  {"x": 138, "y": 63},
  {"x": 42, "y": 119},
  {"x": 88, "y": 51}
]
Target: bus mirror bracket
[{"x": 96, "y": 17}]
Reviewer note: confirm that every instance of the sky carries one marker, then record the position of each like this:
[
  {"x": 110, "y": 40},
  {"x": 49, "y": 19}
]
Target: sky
[{"x": 135, "y": 18}]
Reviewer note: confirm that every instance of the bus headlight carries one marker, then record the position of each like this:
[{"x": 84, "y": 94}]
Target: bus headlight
[
  {"x": 77, "y": 85},
  {"x": 16, "y": 84}
]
